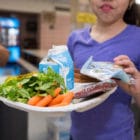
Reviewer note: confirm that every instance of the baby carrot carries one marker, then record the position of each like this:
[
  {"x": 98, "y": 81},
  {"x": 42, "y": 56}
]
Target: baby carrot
[
  {"x": 58, "y": 99},
  {"x": 34, "y": 100},
  {"x": 67, "y": 99},
  {"x": 45, "y": 101},
  {"x": 57, "y": 91}
]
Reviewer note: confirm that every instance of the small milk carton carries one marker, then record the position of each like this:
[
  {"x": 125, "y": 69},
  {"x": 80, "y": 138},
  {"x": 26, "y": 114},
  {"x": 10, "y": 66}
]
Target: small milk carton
[{"x": 59, "y": 59}]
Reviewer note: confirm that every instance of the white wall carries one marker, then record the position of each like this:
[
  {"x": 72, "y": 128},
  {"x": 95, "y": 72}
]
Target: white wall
[{"x": 33, "y": 6}]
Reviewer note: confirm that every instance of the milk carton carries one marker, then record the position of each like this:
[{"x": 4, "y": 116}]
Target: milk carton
[{"x": 59, "y": 59}]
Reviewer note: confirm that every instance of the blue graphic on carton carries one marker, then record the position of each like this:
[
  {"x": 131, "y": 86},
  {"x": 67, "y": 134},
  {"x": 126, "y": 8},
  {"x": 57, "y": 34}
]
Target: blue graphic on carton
[{"x": 61, "y": 62}]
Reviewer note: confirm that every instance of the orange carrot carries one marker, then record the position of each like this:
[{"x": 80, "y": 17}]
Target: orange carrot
[
  {"x": 57, "y": 91},
  {"x": 45, "y": 101},
  {"x": 67, "y": 99},
  {"x": 34, "y": 100},
  {"x": 58, "y": 99}
]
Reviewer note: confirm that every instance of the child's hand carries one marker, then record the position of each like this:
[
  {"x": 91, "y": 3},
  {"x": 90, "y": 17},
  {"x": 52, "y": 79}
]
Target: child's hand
[{"x": 129, "y": 67}]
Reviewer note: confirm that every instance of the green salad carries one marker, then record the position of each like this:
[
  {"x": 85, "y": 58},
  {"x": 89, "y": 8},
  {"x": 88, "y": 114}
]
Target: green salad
[{"x": 22, "y": 87}]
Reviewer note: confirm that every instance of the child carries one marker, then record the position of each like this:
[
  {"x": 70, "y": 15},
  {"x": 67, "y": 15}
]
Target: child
[{"x": 110, "y": 39}]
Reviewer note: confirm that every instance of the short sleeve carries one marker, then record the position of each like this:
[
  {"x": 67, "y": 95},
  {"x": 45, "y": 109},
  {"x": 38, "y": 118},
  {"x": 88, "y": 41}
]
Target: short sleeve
[{"x": 70, "y": 43}]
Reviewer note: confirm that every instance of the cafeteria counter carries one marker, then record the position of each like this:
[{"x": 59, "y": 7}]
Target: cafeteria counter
[{"x": 35, "y": 52}]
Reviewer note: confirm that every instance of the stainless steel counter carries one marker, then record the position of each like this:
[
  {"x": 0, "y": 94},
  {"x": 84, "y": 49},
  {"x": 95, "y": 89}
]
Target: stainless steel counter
[
  {"x": 36, "y": 52},
  {"x": 28, "y": 66}
]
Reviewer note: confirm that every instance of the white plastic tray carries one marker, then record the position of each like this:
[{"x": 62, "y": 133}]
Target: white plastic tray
[{"x": 80, "y": 107}]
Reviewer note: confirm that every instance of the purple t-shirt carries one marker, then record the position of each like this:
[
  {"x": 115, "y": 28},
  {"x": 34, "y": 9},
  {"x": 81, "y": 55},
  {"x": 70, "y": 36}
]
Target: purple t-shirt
[{"x": 113, "y": 119}]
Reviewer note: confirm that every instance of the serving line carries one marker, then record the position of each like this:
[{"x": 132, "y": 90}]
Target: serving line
[
  {"x": 28, "y": 66},
  {"x": 40, "y": 53}
]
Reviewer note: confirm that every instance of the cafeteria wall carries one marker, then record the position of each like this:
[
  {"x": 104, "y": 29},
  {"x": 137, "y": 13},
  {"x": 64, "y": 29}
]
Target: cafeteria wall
[
  {"x": 46, "y": 35},
  {"x": 58, "y": 33}
]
